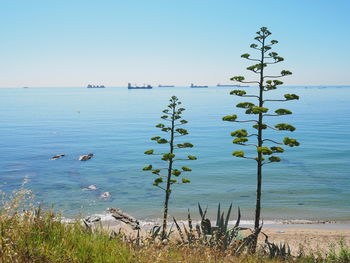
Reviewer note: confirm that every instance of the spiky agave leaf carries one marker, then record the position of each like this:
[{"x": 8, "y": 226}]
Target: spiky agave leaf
[
  {"x": 227, "y": 217},
  {"x": 238, "y": 218},
  {"x": 202, "y": 214},
  {"x": 155, "y": 232},
  {"x": 179, "y": 230},
  {"x": 218, "y": 215}
]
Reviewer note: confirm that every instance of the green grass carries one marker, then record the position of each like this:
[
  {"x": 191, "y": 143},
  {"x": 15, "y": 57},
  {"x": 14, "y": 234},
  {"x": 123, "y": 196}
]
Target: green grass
[
  {"x": 43, "y": 239},
  {"x": 33, "y": 238},
  {"x": 36, "y": 236}
]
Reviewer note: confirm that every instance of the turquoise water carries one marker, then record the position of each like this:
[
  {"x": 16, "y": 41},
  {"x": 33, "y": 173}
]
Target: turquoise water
[{"x": 115, "y": 124}]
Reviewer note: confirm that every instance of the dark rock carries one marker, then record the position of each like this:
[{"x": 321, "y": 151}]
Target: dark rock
[
  {"x": 57, "y": 156},
  {"x": 86, "y": 157}
]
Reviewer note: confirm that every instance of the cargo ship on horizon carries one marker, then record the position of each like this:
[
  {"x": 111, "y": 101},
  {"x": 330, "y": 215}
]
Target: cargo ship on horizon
[
  {"x": 95, "y": 86},
  {"x": 165, "y": 86},
  {"x": 139, "y": 87},
  {"x": 198, "y": 86},
  {"x": 231, "y": 85}
]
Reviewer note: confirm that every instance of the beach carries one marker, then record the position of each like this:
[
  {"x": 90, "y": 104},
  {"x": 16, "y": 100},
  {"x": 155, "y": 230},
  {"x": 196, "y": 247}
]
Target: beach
[
  {"x": 310, "y": 238},
  {"x": 301, "y": 236}
]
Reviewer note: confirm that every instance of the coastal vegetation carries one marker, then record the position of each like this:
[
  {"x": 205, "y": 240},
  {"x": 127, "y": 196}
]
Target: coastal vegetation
[
  {"x": 30, "y": 234},
  {"x": 169, "y": 175},
  {"x": 265, "y": 154}
]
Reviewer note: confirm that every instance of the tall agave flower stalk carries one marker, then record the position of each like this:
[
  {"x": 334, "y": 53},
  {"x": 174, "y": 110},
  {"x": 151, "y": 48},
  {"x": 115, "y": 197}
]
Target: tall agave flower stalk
[
  {"x": 266, "y": 148},
  {"x": 170, "y": 174}
]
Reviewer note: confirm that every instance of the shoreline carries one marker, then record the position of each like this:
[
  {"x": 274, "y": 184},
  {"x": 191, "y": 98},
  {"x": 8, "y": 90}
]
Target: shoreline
[
  {"x": 107, "y": 219},
  {"x": 300, "y": 235}
]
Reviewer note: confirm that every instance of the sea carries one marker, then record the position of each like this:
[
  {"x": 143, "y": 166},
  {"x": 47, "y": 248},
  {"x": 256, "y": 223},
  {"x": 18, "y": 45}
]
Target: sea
[{"x": 312, "y": 182}]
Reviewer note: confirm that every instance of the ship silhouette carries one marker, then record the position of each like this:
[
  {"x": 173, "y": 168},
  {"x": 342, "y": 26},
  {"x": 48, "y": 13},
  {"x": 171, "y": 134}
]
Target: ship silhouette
[{"x": 139, "y": 87}]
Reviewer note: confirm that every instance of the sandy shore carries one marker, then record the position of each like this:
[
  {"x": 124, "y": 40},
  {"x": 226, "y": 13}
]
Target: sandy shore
[{"x": 311, "y": 237}]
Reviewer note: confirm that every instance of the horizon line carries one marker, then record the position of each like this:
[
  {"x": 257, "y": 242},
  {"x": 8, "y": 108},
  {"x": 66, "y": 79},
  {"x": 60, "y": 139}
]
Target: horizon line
[{"x": 187, "y": 85}]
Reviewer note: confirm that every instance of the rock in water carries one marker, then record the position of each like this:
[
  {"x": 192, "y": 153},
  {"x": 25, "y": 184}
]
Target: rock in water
[
  {"x": 86, "y": 157},
  {"x": 91, "y": 187},
  {"x": 106, "y": 196},
  {"x": 57, "y": 156}
]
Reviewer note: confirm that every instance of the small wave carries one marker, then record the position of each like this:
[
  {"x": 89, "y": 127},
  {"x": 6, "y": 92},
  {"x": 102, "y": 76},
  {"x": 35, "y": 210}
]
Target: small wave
[{"x": 108, "y": 220}]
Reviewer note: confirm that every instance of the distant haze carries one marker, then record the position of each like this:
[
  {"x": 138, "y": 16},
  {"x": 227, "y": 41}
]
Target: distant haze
[{"x": 73, "y": 43}]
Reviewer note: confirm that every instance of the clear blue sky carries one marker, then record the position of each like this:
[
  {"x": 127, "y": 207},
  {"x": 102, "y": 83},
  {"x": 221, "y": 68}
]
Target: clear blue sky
[{"x": 112, "y": 42}]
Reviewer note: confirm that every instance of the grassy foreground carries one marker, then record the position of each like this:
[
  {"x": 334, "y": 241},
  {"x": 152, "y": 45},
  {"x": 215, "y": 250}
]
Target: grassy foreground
[
  {"x": 42, "y": 239},
  {"x": 36, "y": 236}
]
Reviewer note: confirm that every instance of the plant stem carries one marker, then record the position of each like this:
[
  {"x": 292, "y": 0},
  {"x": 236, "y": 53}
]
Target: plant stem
[
  {"x": 260, "y": 142},
  {"x": 170, "y": 167}
]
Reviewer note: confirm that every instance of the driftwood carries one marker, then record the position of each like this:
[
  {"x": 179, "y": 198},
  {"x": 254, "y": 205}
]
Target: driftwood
[
  {"x": 90, "y": 220},
  {"x": 125, "y": 218}
]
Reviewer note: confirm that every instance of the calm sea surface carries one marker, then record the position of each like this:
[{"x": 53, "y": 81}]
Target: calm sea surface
[{"x": 312, "y": 181}]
